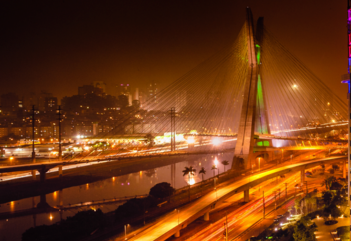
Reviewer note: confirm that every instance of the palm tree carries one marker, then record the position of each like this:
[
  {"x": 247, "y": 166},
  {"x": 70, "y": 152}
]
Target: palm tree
[
  {"x": 190, "y": 171},
  {"x": 214, "y": 174},
  {"x": 225, "y": 163},
  {"x": 202, "y": 171}
]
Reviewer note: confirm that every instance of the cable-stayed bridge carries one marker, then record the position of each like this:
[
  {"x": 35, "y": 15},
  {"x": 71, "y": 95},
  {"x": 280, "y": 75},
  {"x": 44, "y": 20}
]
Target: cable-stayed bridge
[
  {"x": 254, "y": 92},
  {"x": 255, "y": 87}
]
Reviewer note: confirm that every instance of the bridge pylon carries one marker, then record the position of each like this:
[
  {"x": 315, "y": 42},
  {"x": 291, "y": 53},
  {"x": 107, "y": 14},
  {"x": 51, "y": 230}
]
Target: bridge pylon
[{"x": 253, "y": 113}]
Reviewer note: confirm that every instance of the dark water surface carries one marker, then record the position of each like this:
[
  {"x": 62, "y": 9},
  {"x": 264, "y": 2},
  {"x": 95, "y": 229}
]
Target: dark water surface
[{"x": 137, "y": 183}]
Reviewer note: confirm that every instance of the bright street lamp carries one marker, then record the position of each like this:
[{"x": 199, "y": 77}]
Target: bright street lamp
[{"x": 125, "y": 231}]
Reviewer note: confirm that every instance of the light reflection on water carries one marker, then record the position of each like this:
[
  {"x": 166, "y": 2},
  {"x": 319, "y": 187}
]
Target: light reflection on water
[{"x": 132, "y": 184}]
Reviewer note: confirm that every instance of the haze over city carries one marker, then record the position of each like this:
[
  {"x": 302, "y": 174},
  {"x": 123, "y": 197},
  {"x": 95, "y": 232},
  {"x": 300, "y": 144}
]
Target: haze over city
[{"x": 175, "y": 120}]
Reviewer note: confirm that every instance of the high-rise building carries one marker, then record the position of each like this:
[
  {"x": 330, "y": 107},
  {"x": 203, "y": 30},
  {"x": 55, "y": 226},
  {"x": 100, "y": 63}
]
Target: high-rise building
[
  {"x": 9, "y": 103},
  {"x": 41, "y": 100},
  {"x": 152, "y": 91},
  {"x": 89, "y": 89},
  {"x": 124, "y": 89},
  {"x": 50, "y": 104},
  {"x": 30, "y": 99},
  {"x": 101, "y": 85}
]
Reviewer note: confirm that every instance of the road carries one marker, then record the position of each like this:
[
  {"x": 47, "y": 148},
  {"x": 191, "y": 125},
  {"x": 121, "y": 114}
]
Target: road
[
  {"x": 242, "y": 219},
  {"x": 167, "y": 226}
]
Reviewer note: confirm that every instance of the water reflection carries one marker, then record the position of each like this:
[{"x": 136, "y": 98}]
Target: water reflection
[{"x": 138, "y": 183}]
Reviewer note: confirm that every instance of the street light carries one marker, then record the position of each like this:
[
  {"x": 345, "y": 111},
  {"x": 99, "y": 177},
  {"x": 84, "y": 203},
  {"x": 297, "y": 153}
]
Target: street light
[
  {"x": 259, "y": 164},
  {"x": 306, "y": 187},
  {"x": 125, "y": 232},
  {"x": 178, "y": 215}
]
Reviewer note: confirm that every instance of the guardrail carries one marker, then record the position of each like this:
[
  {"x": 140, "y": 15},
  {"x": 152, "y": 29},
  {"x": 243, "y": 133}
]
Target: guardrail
[{"x": 100, "y": 202}]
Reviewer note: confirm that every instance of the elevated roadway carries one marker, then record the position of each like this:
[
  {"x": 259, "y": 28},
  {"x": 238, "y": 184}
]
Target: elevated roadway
[
  {"x": 298, "y": 148},
  {"x": 172, "y": 223}
]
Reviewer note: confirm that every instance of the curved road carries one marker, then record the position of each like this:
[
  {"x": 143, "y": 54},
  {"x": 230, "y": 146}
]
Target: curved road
[{"x": 173, "y": 222}]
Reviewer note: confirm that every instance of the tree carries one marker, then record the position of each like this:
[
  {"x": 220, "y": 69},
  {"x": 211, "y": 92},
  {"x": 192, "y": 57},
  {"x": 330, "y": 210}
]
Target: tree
[
  {"x": 335, "y": 212},
  {"x": 298, "y": 204},
  {"x": 310, "y": 202},
  {"x": 202, "y": 171},
  {"x": 225, "y": 163},
  {"x": 238, "y": 162},
  {"x": 162, "y": 190},
  {"x": 304, "y": 232},
  {"x": 190, "y": 171},
  {"x": 77, "y": 227},
  {"x": 149, "y": 139},
  {"x": 327, "y": 198},
  {"x": 134, "y": 207},
  {"x": 335, "y": 167},
  {"x": 328, "y": 181},
  {"x": 336, "y": 186}
]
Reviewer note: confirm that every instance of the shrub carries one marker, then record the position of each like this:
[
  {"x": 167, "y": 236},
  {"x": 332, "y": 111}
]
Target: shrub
[
  {"x": 134, "y": 207},
  {"x": 162, "y": 190},
  {"x": 73, "y": 228}
]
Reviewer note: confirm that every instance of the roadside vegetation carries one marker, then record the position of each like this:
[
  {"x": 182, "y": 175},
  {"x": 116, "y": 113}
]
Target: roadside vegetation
[{"x": 329, "y": 205}]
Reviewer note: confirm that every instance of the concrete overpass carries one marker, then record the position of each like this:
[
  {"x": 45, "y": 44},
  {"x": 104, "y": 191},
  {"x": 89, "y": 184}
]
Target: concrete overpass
[
  {"x": 272, "y": 137},
  {"x": 298, "y": 148},
  {"x": 44, "y": 167},
  {"x": 172, "y": 223}
]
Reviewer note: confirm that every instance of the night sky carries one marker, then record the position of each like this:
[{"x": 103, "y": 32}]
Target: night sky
[{"x": 59, "y": 45}]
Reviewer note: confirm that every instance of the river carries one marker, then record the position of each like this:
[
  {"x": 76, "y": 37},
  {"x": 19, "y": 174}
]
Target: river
[{"x": 137, "y": 183}]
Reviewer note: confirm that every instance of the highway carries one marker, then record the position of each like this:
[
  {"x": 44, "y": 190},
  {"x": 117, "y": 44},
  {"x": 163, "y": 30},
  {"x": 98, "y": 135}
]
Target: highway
[
  {"x": 250, "y": 213},
  {"x": 174, "y": 222}
]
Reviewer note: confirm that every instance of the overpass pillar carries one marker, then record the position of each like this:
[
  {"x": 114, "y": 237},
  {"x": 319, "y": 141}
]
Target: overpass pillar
[
  {"x": 177, "y": 234},
  {"x": 302, "y": 175},
  {"x": 60, "y": 194},
  {"x": 207, "y": 216},
  {"x": 34, "y": 174},
  {"x": 246, "y": 196},
  {"x": 60, "y": 170},
  {"x": 43, "y": 203},
  {"x": 42, "y": 174}
]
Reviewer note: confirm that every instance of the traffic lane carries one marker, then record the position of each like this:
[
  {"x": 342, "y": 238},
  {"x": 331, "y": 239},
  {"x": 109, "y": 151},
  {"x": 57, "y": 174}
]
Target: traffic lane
[{"x": 163, "y": 229}]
